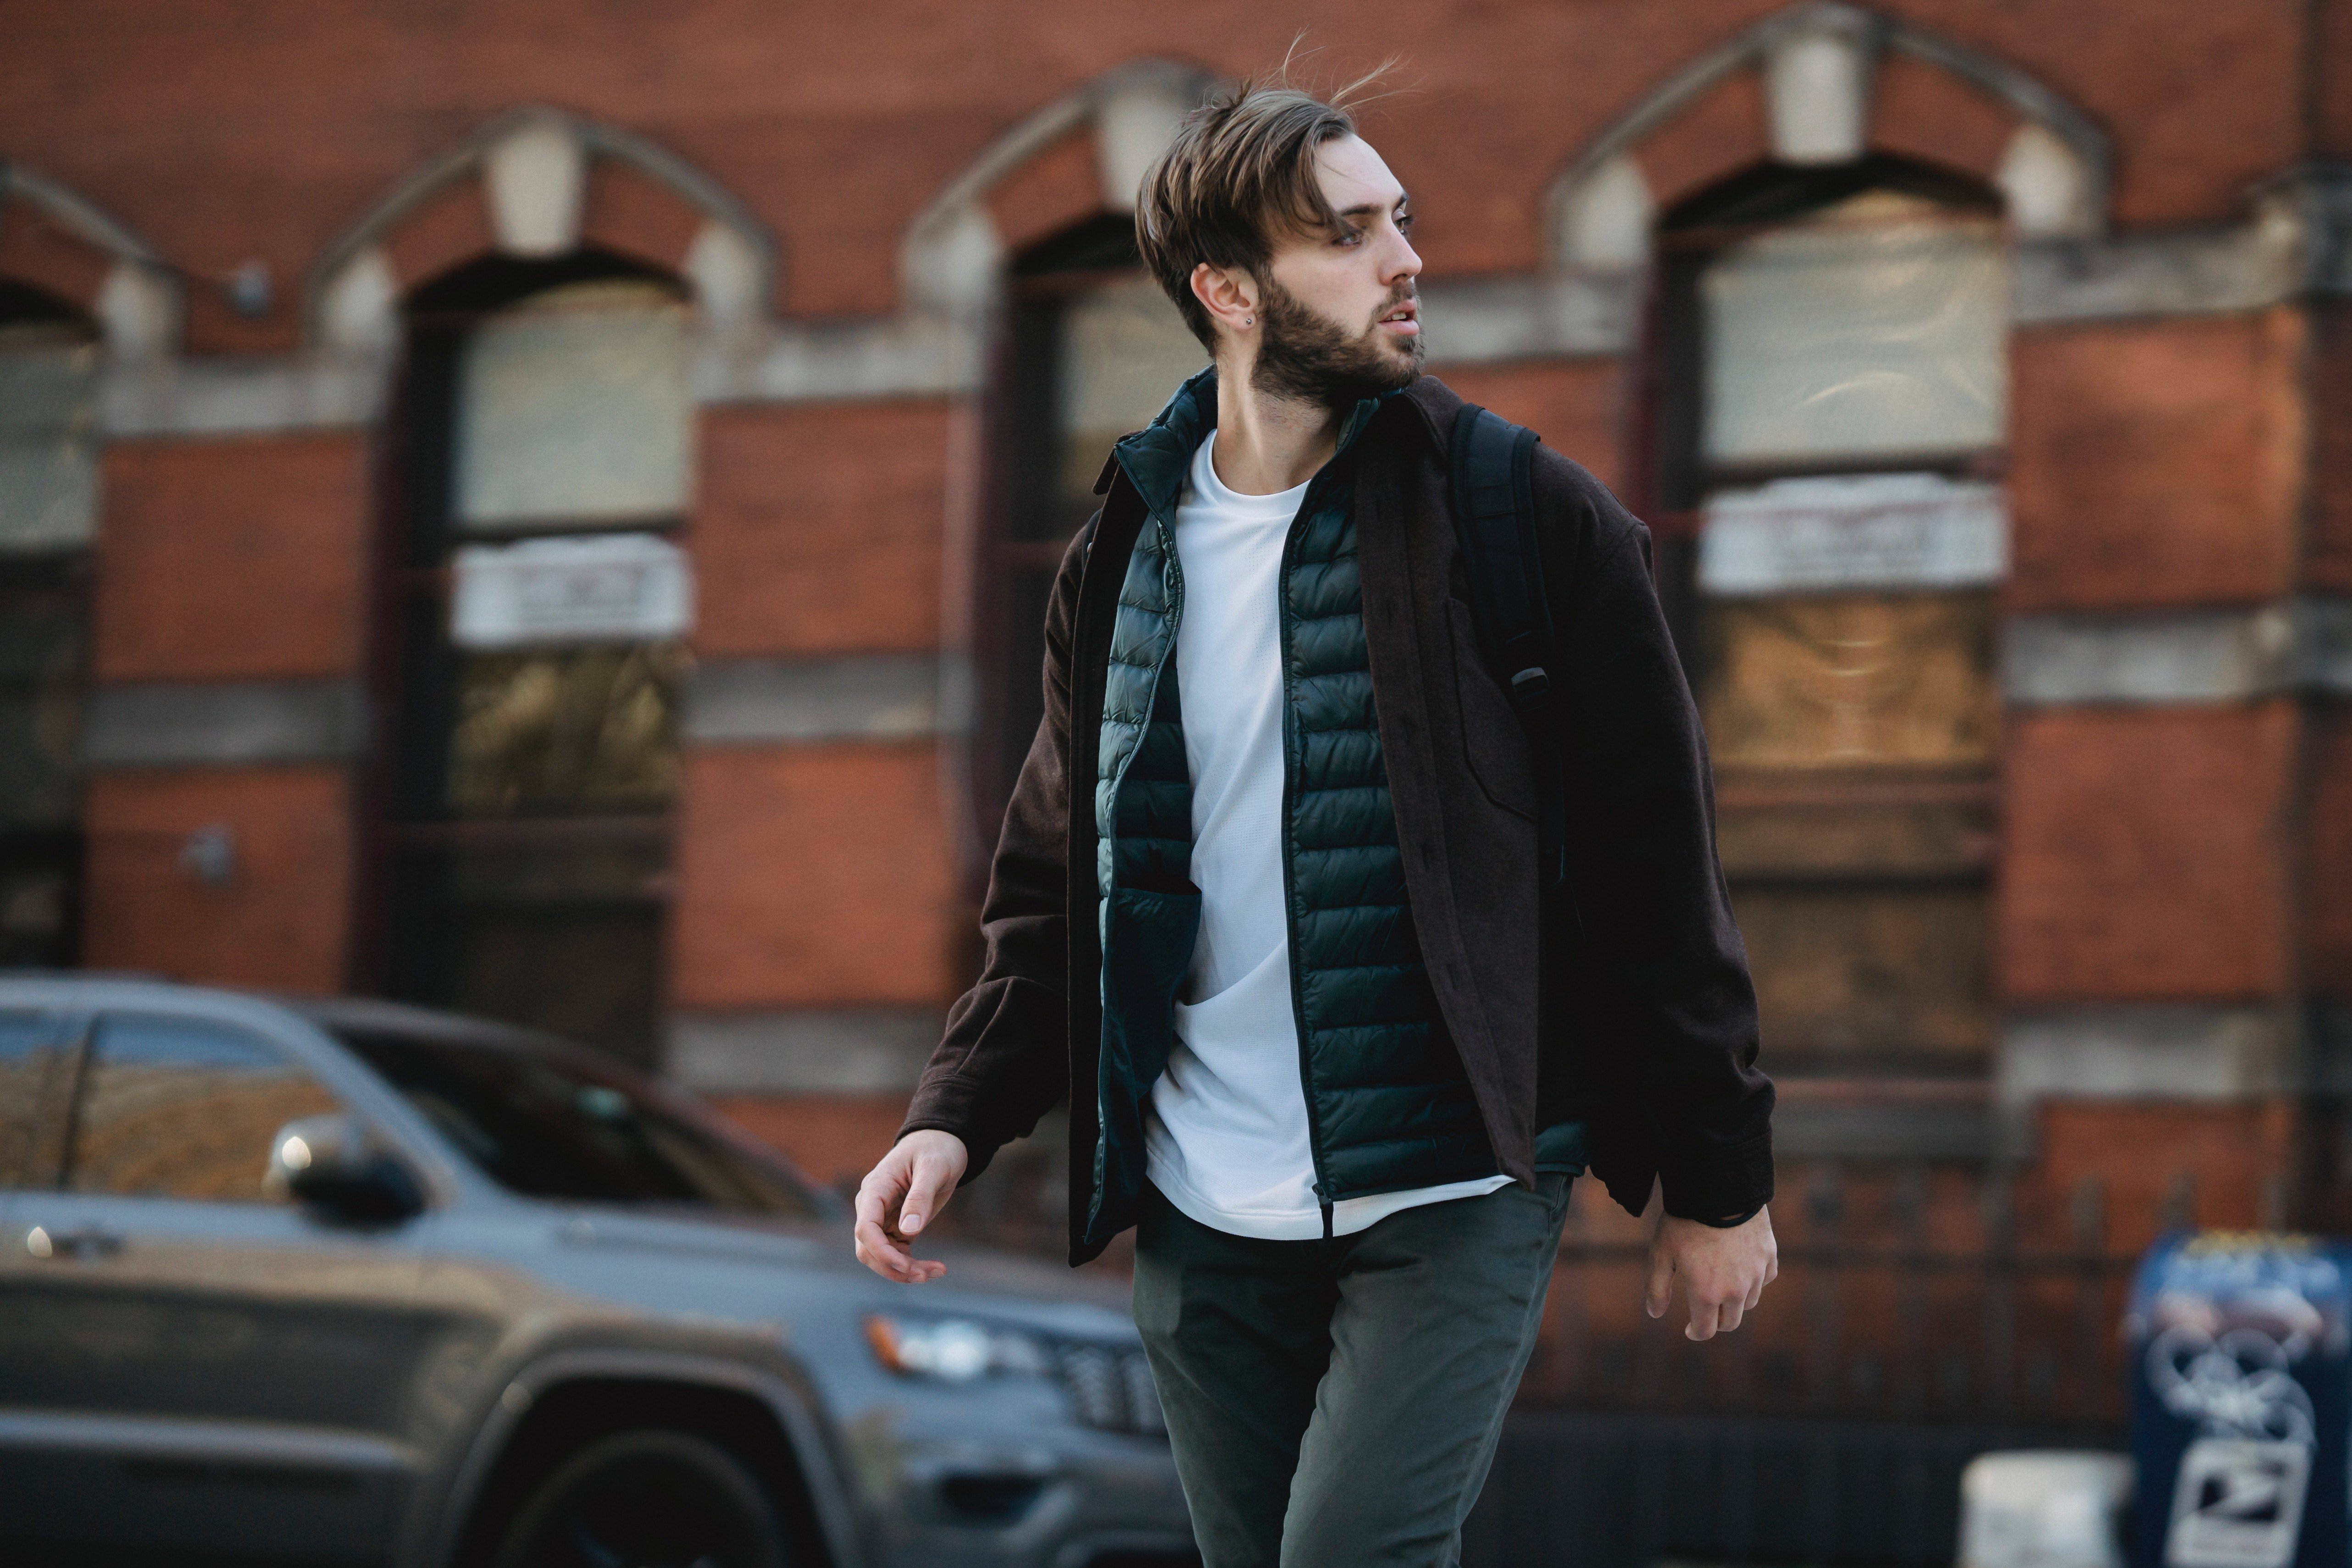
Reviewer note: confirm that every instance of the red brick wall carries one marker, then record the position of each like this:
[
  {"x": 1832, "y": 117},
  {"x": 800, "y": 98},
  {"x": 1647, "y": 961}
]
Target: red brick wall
[
  {"x": 1721, "y": 133},
  {"x": 2228, "y": 1154},
  {"x": 1579, "y": 407},
  {"x": 2333, "y": 46},
  {"x": 232, "y": 558},
  {"x": 2144, "y": 854},
  {"x": 1049, "y": 193},
  {"x": 836, "y": 125},
  {"x": 812, "y": 876},
  {"x": 2157, "y": 463},
  {"x": 817, "y": 529},
  {"x": 281, "y": 921},
  {"x": 1921, "y": 110}
]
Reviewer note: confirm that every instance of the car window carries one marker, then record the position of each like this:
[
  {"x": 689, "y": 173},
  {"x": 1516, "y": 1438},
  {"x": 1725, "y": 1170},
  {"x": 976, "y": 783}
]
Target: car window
[
  {"x": 33, "y": 1062},
  {"x": 179, "y": 1107},
  {"x": 554, "y": 1126}
]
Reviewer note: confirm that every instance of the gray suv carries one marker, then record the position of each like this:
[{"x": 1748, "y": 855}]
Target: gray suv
[{"x": 348, "y": 1282}]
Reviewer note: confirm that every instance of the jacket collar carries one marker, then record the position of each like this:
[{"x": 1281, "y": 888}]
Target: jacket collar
[
  {"x": 1158, "y": 458},
  {"x": 1436, "y": 404}
]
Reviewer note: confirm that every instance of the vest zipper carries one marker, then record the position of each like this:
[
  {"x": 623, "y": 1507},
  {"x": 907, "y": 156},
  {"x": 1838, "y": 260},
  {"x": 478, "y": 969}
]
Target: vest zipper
[{"x": 1316, "y": 490}]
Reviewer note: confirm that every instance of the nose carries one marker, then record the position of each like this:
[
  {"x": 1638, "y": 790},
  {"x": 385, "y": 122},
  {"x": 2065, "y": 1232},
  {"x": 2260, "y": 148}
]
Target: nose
[{"x": 1404, "y": 263}]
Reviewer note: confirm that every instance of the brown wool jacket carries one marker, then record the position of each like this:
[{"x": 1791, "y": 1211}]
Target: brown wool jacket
[{"x": 1648, "y": 1030}]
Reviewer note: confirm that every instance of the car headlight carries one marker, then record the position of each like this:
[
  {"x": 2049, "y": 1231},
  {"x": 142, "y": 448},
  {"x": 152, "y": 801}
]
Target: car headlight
[{"x": 954, "y": 1349}]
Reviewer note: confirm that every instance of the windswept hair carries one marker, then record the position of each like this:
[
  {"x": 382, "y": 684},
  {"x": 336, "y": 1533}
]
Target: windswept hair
[{"x": 1239, "y": 176}]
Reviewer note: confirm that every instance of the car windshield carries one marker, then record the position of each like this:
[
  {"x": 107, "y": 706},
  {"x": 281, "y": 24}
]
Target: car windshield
[{"x": 550, "y": 1125}]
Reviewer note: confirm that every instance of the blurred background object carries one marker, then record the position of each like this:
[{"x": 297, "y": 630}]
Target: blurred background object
[
  {"x": 545, "y": 509},
  {"x": 2053, "y": 1510}
]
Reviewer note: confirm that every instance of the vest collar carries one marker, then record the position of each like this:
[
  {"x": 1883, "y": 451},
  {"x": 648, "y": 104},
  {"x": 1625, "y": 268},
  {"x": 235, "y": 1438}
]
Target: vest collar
[{"x": 1158, "y": 458}]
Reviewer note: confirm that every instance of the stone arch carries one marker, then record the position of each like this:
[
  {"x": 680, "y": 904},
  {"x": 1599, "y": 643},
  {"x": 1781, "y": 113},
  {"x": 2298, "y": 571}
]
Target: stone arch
[
  {"x": 57, "y": 240},
  {"x": 538, "y": 182},
  {"x": 1083, "y": 154},
  {"x": 1823, "y": 82}
]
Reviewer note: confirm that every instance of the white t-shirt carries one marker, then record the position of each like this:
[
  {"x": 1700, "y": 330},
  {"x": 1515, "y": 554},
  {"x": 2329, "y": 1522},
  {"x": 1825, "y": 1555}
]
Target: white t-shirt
[{"x": 1225, "y": 1131}]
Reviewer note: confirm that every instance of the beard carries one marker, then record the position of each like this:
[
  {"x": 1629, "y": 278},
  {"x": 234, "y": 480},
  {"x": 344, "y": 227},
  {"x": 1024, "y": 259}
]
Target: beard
[{"x": 1303, "y": 357}]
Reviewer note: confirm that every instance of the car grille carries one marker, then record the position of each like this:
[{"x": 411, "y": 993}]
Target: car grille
[{"x": 1111, "y": 1389}]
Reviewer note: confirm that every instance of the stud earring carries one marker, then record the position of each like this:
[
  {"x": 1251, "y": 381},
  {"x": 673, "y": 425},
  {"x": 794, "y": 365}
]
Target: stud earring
[{"x": 1249, "y": 320}]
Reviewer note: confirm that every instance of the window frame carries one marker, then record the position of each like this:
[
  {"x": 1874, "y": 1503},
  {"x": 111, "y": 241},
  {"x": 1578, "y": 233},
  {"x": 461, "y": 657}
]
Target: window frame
[
  {"x": 1675, "y": 479},
  {"x": 405, "y": 944}
]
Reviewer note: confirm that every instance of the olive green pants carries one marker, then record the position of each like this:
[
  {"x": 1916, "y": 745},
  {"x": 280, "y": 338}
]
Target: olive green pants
[{"x": 1336, "y": 1403}]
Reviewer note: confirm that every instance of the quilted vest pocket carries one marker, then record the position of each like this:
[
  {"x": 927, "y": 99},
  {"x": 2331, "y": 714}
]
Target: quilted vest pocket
[{"x": 1148, "y": 950}]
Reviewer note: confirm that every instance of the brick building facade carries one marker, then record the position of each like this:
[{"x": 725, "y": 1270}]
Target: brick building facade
[{"x": 539, "y": 507}]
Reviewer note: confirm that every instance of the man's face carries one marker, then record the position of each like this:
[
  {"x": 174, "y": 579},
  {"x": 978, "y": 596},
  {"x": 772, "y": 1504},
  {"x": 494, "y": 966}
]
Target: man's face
[{"x": 1340, "y": 319}]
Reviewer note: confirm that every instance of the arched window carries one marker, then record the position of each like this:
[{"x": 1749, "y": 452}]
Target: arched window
[
  {"x": 49, "y": 356},
  {"x": 1091, "y": 350},
  {"x": 539, "y": 610},
  {"x": 1832, "y": 416}
]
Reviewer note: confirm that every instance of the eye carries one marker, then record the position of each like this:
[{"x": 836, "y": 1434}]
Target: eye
[
  {"x": 1404, "y": 223},
  {"x": 1350, "y": 236}
]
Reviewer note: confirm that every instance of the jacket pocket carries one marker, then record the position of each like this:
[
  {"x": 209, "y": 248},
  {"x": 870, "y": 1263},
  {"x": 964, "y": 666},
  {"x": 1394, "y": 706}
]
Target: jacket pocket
[{"x": 1493, "y": 740}]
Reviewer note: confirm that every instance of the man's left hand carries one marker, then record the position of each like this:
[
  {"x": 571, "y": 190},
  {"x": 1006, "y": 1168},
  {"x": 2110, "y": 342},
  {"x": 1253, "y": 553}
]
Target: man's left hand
[{"x": 1723, "y": 1271}]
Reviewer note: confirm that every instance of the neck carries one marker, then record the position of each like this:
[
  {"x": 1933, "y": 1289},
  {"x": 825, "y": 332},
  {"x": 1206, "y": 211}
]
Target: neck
[{"x": 1268, "y": 444}]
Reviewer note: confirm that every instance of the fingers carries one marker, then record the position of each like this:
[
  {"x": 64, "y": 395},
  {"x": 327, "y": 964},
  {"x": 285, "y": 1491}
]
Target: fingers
[
  {"x": 1661, "y": 1293},
  {"x": 1728, "y": 1315},
  {"x": 877, "y": 1249},
  {"x": 880, "y": 1237},
  {"x": 928, "y": 1191},
  {"x": 1703, "y": 1317}
]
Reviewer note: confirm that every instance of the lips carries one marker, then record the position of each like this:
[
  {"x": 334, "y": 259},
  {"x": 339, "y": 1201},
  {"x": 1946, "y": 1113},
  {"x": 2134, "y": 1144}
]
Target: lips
[{"x": 1403, "y": 318}]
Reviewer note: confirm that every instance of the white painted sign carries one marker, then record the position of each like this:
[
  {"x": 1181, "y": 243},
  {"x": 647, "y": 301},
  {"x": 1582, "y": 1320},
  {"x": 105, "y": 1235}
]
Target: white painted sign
[
  {"x": 596, "y": 587},
  {"x": 1869, "y": 531},
  {"x": 2237, "y": 1504}
]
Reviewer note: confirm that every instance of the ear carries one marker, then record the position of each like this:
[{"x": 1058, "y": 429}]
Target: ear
[{"x": 1230, "y": 297}]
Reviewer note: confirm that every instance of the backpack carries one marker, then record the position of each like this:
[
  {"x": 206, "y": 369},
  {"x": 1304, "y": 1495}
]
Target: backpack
[{"x": 1495, "y": 524}]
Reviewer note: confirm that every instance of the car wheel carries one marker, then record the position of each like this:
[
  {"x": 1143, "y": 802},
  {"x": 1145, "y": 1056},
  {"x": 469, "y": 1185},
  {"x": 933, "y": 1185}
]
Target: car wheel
[{"x": 645, "y": 1500}]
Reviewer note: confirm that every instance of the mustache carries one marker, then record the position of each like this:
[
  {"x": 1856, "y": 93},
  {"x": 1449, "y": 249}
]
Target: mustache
[{"x": 1402, "y": 292}]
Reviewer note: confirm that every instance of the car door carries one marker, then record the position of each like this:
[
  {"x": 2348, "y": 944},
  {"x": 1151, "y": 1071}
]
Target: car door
[{"x": 187, "y": 1359}]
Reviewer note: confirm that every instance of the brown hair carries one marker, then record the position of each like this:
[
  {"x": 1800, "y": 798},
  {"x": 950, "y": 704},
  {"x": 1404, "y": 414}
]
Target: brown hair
[{"x": 1240, "y": 173}]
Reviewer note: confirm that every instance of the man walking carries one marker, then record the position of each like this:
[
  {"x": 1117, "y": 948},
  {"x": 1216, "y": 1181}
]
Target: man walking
[{"x": 1268, "y": 906}]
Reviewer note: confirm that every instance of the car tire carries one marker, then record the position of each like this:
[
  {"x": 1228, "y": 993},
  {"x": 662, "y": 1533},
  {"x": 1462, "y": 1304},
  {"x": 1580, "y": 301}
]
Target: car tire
[{"x": 648, "y": 1500}]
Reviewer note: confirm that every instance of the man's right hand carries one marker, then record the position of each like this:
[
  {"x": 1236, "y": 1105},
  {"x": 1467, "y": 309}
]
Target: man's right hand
[{"x": 901, "y": 1196}]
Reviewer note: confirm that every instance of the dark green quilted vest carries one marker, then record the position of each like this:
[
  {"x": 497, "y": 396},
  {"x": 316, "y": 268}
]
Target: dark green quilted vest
[{"x": 1388, "y": 1108}]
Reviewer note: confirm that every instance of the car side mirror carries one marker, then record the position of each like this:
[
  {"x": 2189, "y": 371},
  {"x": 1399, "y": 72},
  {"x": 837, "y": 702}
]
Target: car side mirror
[{"x": 330, "y": 1163}]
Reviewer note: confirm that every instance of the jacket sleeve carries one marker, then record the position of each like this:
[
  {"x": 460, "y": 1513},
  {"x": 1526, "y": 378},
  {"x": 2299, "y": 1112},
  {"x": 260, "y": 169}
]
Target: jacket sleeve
[
  {"x": 1004, "y": 1059},
  {"x": 1677, "y": 1031}
]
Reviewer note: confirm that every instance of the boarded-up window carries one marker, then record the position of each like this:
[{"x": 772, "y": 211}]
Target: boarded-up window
[
  {"x": 576, "y": 405},
  {"x": 49, "y": 438},
  {"x": 42, "y": 645},
  {"x": 1843, "y": 637},
  {"x": 1875, "y": 328},
  {"x": 552, "y": 408},
  {"x": 49, "y": 363},
  {"x": 1124, "y": 351},
  {"x": 587, "y": 729},
  {"x": 1092, "y": 350}
]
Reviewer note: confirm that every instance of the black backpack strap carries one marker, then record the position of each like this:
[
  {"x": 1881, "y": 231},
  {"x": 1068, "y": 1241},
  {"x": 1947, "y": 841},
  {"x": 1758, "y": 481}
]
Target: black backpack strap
[{"x": 1495, "y": 523}]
